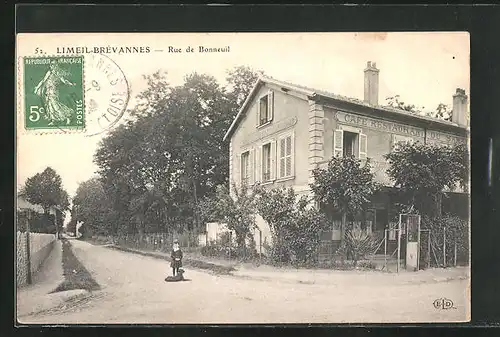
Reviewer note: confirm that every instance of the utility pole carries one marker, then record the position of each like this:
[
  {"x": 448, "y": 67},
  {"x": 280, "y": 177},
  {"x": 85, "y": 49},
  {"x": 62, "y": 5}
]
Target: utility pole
[{"x": 28, "y": 249}]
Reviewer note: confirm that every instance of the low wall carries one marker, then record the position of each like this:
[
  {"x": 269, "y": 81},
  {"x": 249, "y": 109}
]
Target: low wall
[{"x": 40, "y": 247}]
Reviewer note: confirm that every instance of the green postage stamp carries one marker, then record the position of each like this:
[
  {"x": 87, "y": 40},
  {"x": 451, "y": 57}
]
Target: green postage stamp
[{"x": 53, "y": 93}]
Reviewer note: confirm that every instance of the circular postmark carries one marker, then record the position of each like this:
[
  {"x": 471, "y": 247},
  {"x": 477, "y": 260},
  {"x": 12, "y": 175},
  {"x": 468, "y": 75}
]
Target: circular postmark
[{"x": 107, "y": 94}]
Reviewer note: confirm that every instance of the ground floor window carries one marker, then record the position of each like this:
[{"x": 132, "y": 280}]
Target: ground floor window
[{"x": 245, "y": 167}]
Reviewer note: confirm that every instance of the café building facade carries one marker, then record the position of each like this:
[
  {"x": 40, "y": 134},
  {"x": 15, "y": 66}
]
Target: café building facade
[{"x": 284, "y": 131}]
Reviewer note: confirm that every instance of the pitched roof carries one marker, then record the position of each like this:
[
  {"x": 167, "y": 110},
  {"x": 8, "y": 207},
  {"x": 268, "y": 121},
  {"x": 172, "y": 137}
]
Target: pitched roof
[
  {"x": 310, "y": 92},
  {"x": 23, "y": 203}
]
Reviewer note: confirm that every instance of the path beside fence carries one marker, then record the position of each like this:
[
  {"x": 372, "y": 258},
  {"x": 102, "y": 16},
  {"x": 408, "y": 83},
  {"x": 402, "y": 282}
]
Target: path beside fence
[{"x": 40, "y": 247}]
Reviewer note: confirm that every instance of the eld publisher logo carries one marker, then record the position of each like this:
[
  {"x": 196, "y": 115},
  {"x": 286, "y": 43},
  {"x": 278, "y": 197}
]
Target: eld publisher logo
[{"x": 443, "y": 304}]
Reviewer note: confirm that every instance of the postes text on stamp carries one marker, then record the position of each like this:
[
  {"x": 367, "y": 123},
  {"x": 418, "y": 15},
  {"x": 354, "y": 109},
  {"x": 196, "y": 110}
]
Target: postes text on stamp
[{"x": 53, "y": 93}]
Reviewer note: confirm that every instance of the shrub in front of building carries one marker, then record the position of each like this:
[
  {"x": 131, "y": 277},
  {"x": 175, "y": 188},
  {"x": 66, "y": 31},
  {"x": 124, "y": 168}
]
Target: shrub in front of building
[
  {"x": 449, "y": 240},
  {"x": 236, "y": 210},
  {"x": 357, "y": 245},
  {"x": 424, "y": 171},
  {"x": 295, "y": 226},
  {"x": 345, "y": 186}
]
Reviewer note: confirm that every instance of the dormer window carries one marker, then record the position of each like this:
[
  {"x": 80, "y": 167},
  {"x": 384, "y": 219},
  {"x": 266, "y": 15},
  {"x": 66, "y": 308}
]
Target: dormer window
[{"x": 266, "y": 109}]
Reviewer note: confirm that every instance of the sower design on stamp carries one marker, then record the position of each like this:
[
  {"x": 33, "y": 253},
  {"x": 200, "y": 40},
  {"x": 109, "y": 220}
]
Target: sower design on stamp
[{"x": 53, "y": 91}]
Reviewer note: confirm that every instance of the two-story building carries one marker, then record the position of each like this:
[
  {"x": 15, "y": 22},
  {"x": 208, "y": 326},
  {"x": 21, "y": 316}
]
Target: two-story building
[{"x": 284, "y": 131}]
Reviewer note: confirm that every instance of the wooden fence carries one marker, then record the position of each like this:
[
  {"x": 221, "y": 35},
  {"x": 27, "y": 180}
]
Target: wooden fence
[{"x": 152, "y": 241}]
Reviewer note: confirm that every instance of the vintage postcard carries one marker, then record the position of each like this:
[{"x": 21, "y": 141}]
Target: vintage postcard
[{"x": 227, "y": 178}]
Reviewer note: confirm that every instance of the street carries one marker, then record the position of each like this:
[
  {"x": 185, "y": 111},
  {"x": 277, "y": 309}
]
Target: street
[{"x": 133, "y": 290}]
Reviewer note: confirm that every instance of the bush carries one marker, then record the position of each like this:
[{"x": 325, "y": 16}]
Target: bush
[
  {"x": 357, "y": 245},
  {"x": 457, "y": 231},
  {"x": 39, "y": 223},
  {"x": 303, "y": 236},
  {"x": 295, "y": 227},
  {"x": 366, "y": 265},
  {"x": 219, "y": 249}
]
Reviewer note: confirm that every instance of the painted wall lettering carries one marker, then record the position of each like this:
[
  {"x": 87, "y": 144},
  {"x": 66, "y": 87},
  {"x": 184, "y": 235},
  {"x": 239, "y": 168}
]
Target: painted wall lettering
[
  {"x": 268, "y": 131},
  {"x": 377, "y": 124}
]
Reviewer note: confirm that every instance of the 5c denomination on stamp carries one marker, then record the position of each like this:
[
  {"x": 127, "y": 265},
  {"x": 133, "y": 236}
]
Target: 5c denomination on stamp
[{"x": 53, "y": 93}]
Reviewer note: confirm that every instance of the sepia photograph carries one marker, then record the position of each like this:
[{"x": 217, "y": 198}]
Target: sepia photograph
[{"x": 242, "y": 178}]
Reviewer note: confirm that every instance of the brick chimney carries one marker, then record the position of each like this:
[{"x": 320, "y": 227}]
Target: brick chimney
[
  {"x": 371, "y": 83},
  {"x": 459, "y": 115}
]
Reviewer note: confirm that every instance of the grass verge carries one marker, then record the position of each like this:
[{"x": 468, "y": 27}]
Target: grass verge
[
  {"x": 217, "y": 269},
  {"x": 75, "y": 274}
]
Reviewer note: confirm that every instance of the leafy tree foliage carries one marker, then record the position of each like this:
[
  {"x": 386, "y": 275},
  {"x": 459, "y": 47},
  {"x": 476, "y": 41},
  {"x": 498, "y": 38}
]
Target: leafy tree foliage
[
  {"x": 45, "y": 189},
  {"x": 277, "y": 207},
  {"x": 236, "y": 210},
  {"x": 395, "y": 102},
  {"x": 157, "y": 167},
  {"x": 71, "y": 226},
  {"x": 344, "y": 186},
  {"x": 241, "y": 81},
  {"x": 442, "y": 111},
  {"x": 425, "y": 170},
  {"x": 295, "y": 225},
  {"x": 456, "y": 233},
  {"x": 91, "y": 206}
]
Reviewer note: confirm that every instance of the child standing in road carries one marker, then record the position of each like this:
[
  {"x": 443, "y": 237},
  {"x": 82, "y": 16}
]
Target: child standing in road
[{"x": 176, "y": 256}]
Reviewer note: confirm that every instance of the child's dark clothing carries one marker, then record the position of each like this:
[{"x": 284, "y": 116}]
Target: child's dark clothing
[{"x": 176, "y": 264}]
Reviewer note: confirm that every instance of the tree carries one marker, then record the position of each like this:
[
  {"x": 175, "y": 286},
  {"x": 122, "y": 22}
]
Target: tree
[
  {"x": 45, "y": 189},
  {"x": 304, "y": 235},
  {"x": 295, "y": 225},
  {"x": 241, "y": 81},
  {"x": 276, "y": 206},
  {"x": 344, "y": 186},
  {"x": 237, "y": 211},
  {"x": 395, "y": 102},
  {"x": 442, "y": 111},
  {"x": 157, "y": 166},
  {"x": 461, "y": 158},
  {"x": 71, "y": 227},
  {"x": 91, "y": 206},
  {"x": 425, "y": 170}
]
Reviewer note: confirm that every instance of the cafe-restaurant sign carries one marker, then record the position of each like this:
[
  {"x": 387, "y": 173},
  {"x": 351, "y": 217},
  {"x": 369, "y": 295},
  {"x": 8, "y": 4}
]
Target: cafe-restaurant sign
[{"x": 377, "y": 124}]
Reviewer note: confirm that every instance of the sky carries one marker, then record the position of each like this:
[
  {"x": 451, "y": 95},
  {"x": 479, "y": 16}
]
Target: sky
[{"x": 423, "y": 68}]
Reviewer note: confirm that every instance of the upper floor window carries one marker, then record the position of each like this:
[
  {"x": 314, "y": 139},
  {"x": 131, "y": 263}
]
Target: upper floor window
[
  {"x": 266, "y": 109},
  {"x": 349, "y": 143}
]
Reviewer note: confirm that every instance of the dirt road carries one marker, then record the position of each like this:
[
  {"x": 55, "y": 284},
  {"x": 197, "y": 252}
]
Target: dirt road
[{"x": 134, "y": 291}]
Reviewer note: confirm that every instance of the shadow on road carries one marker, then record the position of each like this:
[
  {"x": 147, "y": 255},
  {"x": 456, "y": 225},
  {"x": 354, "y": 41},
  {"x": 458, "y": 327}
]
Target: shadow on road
[{"x": 76, "y": 275}]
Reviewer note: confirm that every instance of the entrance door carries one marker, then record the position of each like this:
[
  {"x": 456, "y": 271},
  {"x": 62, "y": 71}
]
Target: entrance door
[{"x": 381, "y": 219}]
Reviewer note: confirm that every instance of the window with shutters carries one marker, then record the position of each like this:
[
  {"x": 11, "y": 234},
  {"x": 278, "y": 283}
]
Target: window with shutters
[
  {"x": 349, "y": 144},
  {"x": 286, "y": 156},
  {"x": 245, "y": 167},
  {"x": 266, "y": 162},
  {"x": 266, "y": 108},
  {"x": 350, "y": 141}
]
